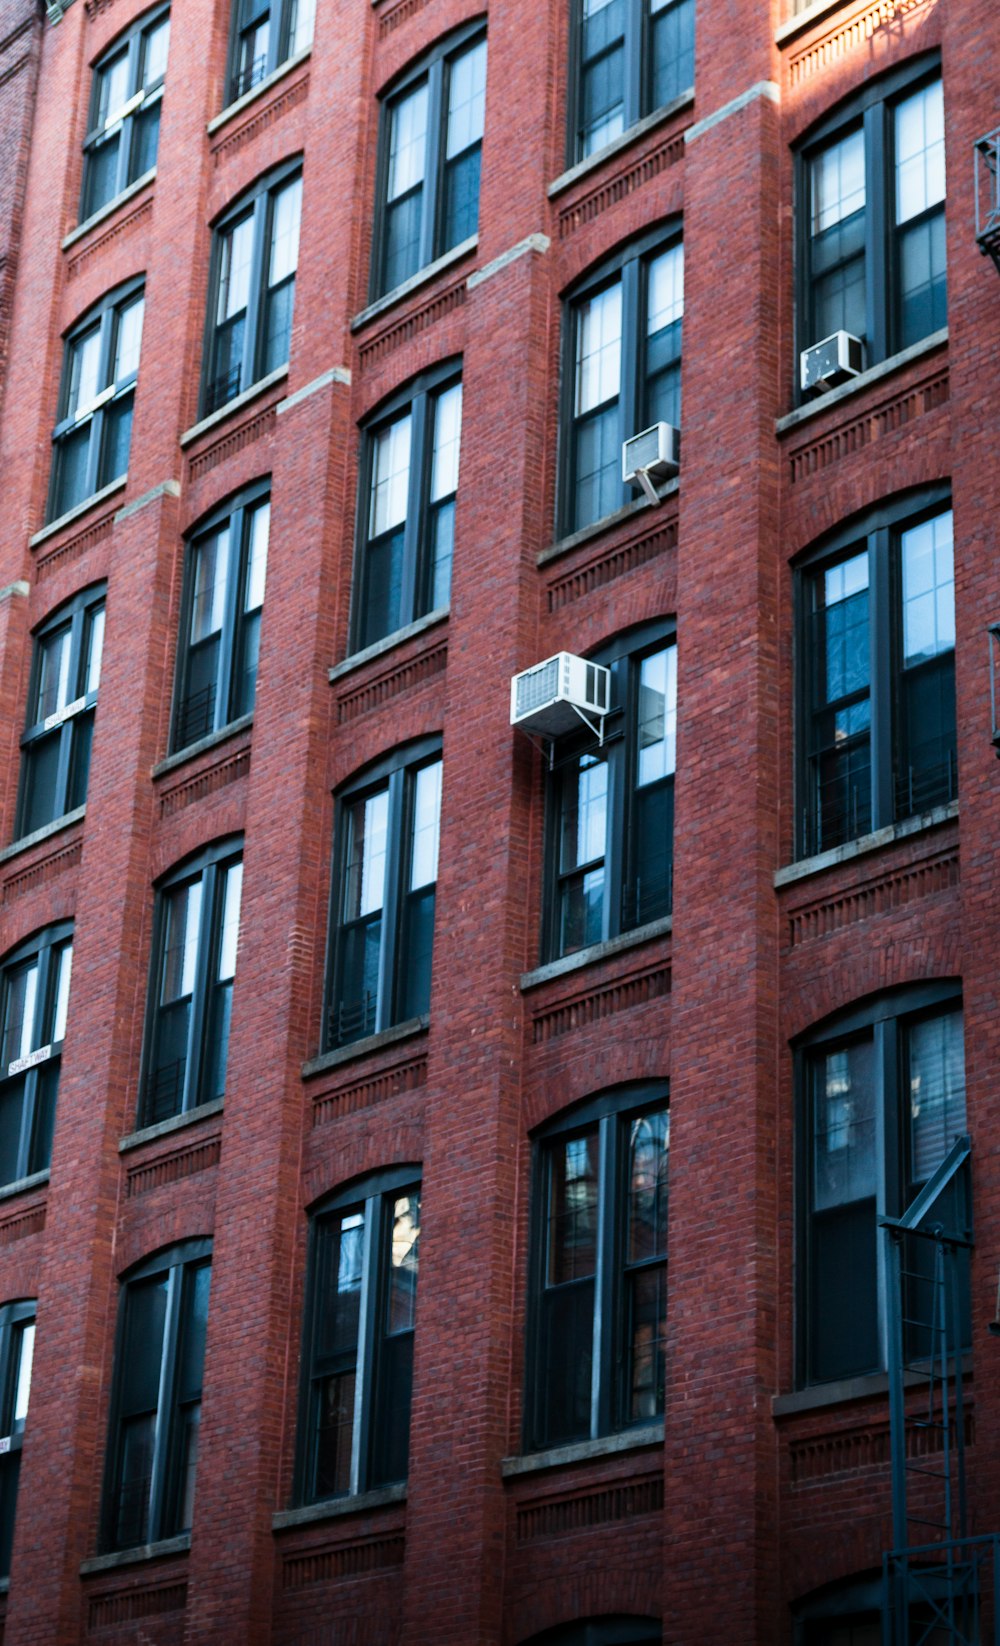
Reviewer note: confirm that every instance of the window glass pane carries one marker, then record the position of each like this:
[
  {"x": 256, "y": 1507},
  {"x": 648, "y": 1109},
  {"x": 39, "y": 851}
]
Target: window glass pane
[
  {"x": 845, "y": 598},
  {"x": 919, "y": 131},
  {"x": 390, "y": 475},
  {"x": 426, "y": 815},
  {"x": 260, "y": 521},
  {"x": 113, "y": 89},
  {"x": 665, "y": 293},
  {"x": 466, "y": 100},
  {"x": 155, "y": 53},
  {"x": 194, "y": 1329},
  {"x": 128, "y": 341},
  {"x": 301, "y": 29},
  {"x": 657, "y": 716},
  {"x": 672, "y": 45},
  {"x": 602, "y": 83},
  {"x": 649, "y": 1154},
  {"x": 598, "y": 348},
  {"x": 95, "y": 650},
  {"x": 407, "y": 143},
  {"x": 937, "y": 1090},
  {"x": 364, "y": 888},
  {"x": 838, "y": 182},
  {"x": 234, "y": 273},
  {"x": 22, "y": 1387},
  {"x": 85, "y": 359},
  {"x": 582, "y": 842},
  {"x": 211, "y": 574},
  {"x": 53, "y": 672},
  {"x": 19, "y": 1013},
  {"x": 230, "y": 921},
  {"x": 286, "y": 209},
  {"x": 447, "y": 433},
  {"x": 64, "y": 968},
  {"x": 844, "y": 1145},
  {"x": 928, "y": 589},
  {"x": 183, "y": 923},
  {"x": 572, "y": 1210},
  {"x": 404, "y": 1257}
]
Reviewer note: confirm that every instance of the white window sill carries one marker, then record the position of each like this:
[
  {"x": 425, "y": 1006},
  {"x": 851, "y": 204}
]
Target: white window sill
[
  {"x": 236, "y": 404},
  {"x": 629, "y": 1440},
  {"x": 388, "y": 643},
  {"x": 233, "y": 109},
  {"x": 145, "y": 1551},
  {"x": 110, "y": 209},
  {"x": 597, "y": 951},
  {"x": 174, "y": 1123},
  {"x": 874, "y": 374},
  {"x": 864, "y": 844},
  {"x": 593, "y": 162},
  {"x": 333, "y": 1507},
  {"x": 421, "y": 278},
  {"x": 45, "y": 833},
  {"x": 75, "y": 513}
]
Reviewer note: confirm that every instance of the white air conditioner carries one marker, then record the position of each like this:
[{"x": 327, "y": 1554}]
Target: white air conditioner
[
  {"x": 553, "y": 697},
  {"x": 835, "y": 360},
  {"x": 654, "y": 455}
]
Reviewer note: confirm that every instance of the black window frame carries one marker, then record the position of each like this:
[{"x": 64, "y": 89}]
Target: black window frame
[
  {"x": 38, "y": 1070},
  {"x": 173, "y": 1402},
  {"x": 432, "y": 66},
  {"x": 418, "y": 398},
  {"x": 870, "y": 109},
  {"x": 396, "y": 774},
  {"x": 140, "y": 102},
  {"x": 377, "y": 1423},
  {"x": 69, "y": 729},
  {"x": 878, "y": 532},
  {"x": 192, "y": 720},
  {"x": 15, "y": 1320},
  {"x": 883, "y": 1020},
  {"x": 246, "y": 18},
  {"x": 112, "y": 393},
  {"x": 637, "y": 87},
  {"x": 609, "y": 1115},
  {"x": 621, "y": 898},
  {"x": 257, "y": 201},
  {"x": 629, "y": 266},
  {"x": 164, "y": 1089}
]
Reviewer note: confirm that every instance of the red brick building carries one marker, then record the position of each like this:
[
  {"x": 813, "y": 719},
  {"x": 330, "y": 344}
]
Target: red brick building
[{"x": 321, "y": 337}]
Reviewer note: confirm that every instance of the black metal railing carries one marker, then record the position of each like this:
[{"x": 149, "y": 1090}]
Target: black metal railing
[
  {"x": 988, "y": 195},
  {"x": 196, "y": 716},
  {"x": 221, "y": 389},
  {"x": 251, "y": 74}
]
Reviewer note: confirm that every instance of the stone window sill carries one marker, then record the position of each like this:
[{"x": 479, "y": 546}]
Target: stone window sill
[
  {"x": 630, "y": 1440},
  {"x": 363, "y": 1048},
  {"x": 212, "y": 741},
  {"x": 21, "y": 1185},
  {"x": 597, "y": 951},
  {"x": 45, "y": 833},
  {"x": 110, "y": 209},
  {"x": 805, "y": 19},
  {"x": 334, "y": 1507},
  {"x": 233, "y": 109},
  {"x": 130, "y": 1557},
  {"x": 83, "y": 508},
  {"x": 865, "y": 844},
  {"x": 421, "y": 278},
  {"x": 378, "y": 648},
  {"x": 857, "y": 385},
  {"x": 565, "y": 545},
  {"x": 593, "y": 162},
  {"x": 871, "y": 1386},
  {"x": 175, "y": 1123},
  {"x": 237, "y": 403}
]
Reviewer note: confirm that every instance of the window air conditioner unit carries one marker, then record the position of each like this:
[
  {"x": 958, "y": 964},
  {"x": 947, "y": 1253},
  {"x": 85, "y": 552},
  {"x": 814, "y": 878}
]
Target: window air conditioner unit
[
  {"x": 654, "y": 455},
  {"x": 835, "y": 360},
  {"x": 552, "y": 698}
]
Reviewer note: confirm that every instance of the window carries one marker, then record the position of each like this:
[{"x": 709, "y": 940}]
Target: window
[
  {"x": 432, "y": 136},
  {"x": 871, "y": 227},
  {"x": 124, "y": 124},
  {"x": 90, "y": 442},
  {"x": 407, "y": 512},
  {"x": 599, "y": 1286},
  {"x": 610, "y": 811},
  {"x": 156, "y": 1398},
  {"x": 384, "y": 893},
  {"x": 34, "y": 997},
  {"x": 62, "y": 698},
  {"x": 220, "y": 617},
  {"x": 191, "y": 986},
  {"x": 882, "y": 1100},
  {"x": 255, "y": 256},
  {"x": 635, "y": 56},
  {"x": 877, "y": 673},
  {"x": 623, "y": 371},
  {"x": 358, "y": 1353},
  {"x": 17, "y": 1347},
  {"x": 266, "y": 33},
  {"x": 603, "y": 1631}
]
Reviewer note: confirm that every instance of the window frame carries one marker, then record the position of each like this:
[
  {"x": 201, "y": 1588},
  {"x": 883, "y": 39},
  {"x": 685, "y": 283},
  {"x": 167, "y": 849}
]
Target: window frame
[
  {"x": 637, "y": 98},
  {"x": 394, "y": 773},
  {"x": 877, "y": 532},
  {"x": 15, "y": 1319},
  {"x": 429, "y": 66},
  {"x": 375, "y": 1194},
  {"x": 63, "y": 724},
  {"x": 47, "y": 1053},
  {"x": 418, "y": 398},
  {"x": 139, "y": 101},
  {"x": 106, "y": 312},
  {"x": 629, "y": 266},
  {"x": 624, "y": 655},
  {"x": 256, "y": 201},
  {"x": 870, "y": 108},
  {"x": 610, "y": 1112},
  {"x": 278, "y": 43},
  {"x": 240, "y": 507},
  {"x": 178, "y": 1263},
  {"x": 211, "y": 867},
  {"x": 885, "y": 1017}
]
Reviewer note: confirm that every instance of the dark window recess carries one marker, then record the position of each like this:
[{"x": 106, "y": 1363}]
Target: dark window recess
[
  {"x": 34, "y": 996},
  {"x": 156, "y": 1399},
  {"x": 124, "y": 124},
  {"x": 430, "y": 145},
  {"x": 62, "y": 699},
  {"x": 90, "y": 442},
  {"x": 384, "y": 895},
  {"x": 266, "y": 33},
  {"x": 255, "y": 256},
  {"x": 603, "y": 1631},
  {"x": 220, "y": 618},
  {"x": 877, "y": 650},
  {"x": 407, "y": 512},
  {"x": 191, "y": 985},
  {"x": 622, "y": 372},
  {"x": 634, "y": 57},
  {"x": 871, "y": 220},
  {"x": 598, "y": 1359},
  {"x": 17, "y": 1347},
  {"x": 611, "y": 806},
  {"x": 883, "y": 1099},
  {"x": 358, "y": 1354}
]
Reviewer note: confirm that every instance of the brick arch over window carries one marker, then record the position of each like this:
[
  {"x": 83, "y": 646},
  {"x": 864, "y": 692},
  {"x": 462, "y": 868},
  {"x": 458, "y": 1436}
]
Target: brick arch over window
[
  {"x": 632, "y": 1591},
  {"x": 867, "y": 970}
]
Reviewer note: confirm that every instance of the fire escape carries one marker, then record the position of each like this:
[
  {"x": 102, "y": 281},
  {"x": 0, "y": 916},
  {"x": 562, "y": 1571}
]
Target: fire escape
[{"x": 988, "y": 196}]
